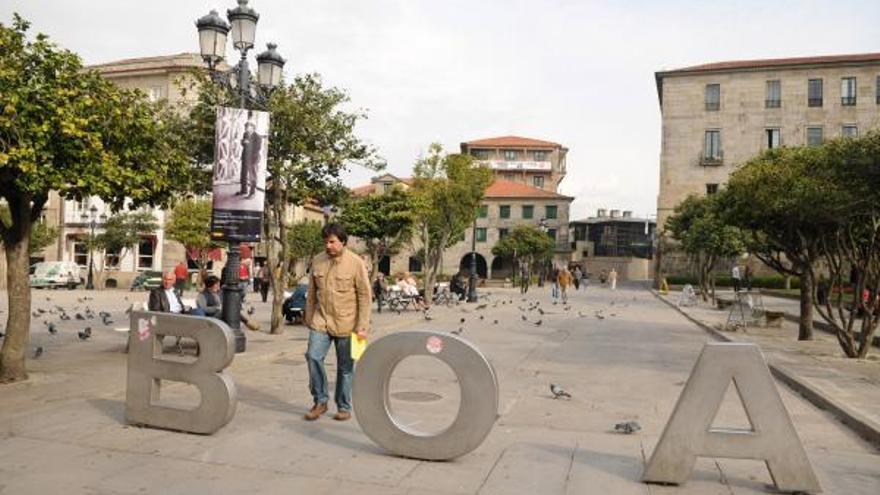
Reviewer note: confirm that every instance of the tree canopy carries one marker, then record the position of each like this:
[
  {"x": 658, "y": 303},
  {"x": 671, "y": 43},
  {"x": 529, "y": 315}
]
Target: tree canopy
[
  {"x": 67, "y": 129},
  {"x": 382, "y": 221}
]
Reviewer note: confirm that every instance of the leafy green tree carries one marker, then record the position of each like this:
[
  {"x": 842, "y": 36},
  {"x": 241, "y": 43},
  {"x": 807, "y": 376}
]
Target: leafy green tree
[
  {"x": 704, "y": 237},
  {"x": 305, "y": 243},
  {"x": 66, "y": 129},
  {"x": 189, "y": 223},
  {"x": 780, "y": 201},
  {"x": 382, "y": 221},
  {"x": 852, "y": 247},
  {"x": 311, "y": 141},
  {"x": 447, "y": 190},
  {"x": 526, "y": 244},
  {"x": 42, "y": 234},
  {"x": 121, "y": 233}
]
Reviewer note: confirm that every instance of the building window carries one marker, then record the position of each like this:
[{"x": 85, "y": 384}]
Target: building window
[
  {"x": 502, "y": 233},
  {"x": 540, "y": 155},
  {"x": 772, "y": 138},
  {"x": 711, "y": 189},
  {"x": 848, "y": 91},
  {"x": 508, "y": 176},
  {"x": 82, "y": 205},
  {"x": 814, "y": 136},
  {"x": 538, "y": 181},
  {"x": 484, "y": 211},
  {"x": 111, "y": 259},
  {"x": 386, "y": 186},
  {"x": 774, "y": 94},
  {"x": 504, "y": 211},
  {"x": 481, "y": 234},
  {"x": 415, "y": 264},
  {"x": 145, "y": 253},
  {"x": 552, "y": 233},
  {"x": 814, "y": 93},
  {"x": 850, "y": 131},
  {"x": 550, "y": 212},
  {"x": 80, "y": 253},
  {"x": 528, "y": 211},
  {"x": 712, "y": 145},
  {"x": 479, "y": 155},
  {"x": 877, "y": 90},
  {"x": 155, "y": 93},
  {"x": 510, "y": 155},
  {"x": 713, "y": 97}
]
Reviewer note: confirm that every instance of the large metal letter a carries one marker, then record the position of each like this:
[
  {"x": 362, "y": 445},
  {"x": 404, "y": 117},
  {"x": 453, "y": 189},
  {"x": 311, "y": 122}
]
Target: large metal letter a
[
  {"x": 689, "y": 432},
  {"x": 147, "y": 366}
]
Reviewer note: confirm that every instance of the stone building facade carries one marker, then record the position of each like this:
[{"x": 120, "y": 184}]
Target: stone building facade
[
  {"x": 527, "y": 173},
  {"x": 716, "y": 116}
]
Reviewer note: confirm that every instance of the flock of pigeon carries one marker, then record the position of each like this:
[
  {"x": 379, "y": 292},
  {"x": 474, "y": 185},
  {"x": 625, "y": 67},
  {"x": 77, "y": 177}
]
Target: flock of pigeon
[
  {"x": 59, "y": 314},
  {"x": 534, "y": 313}
]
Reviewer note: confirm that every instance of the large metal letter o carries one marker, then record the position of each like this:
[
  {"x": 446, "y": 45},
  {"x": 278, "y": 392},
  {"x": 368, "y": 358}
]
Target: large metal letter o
[{"x": 477, "y": 410}]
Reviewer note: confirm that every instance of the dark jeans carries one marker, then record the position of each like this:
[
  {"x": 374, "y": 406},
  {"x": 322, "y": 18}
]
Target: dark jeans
[
  {"x": 264, "y": 290},
  {"x": 319, "y": 345}
]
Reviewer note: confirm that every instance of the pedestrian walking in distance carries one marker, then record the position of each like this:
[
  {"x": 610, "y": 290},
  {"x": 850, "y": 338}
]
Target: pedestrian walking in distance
[
  {"x": 612, "y": 279},
  {"x": 338, "y": 304},
  {"x": 734, "y": 274},
  {"x": 564, "y": 280}
]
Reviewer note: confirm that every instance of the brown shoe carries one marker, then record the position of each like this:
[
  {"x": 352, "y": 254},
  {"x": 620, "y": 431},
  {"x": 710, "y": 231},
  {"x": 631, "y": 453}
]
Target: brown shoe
[
  {"x": 316, "y": 412},
  {"x": 342, "y": 416}
]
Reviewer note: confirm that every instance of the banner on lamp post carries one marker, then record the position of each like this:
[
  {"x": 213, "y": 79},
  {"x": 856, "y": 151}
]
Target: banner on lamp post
[{"x": 239, "y": 180}]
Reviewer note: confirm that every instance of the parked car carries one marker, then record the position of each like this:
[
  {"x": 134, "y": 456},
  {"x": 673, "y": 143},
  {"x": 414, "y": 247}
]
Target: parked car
[
  {"x": 53, "y": 274},
  {"x": 294, "y": 305},
  {"x": 147, "y": 280}
]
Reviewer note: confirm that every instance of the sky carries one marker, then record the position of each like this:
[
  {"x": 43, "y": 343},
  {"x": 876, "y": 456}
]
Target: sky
[{"x": 579, "y": 73}]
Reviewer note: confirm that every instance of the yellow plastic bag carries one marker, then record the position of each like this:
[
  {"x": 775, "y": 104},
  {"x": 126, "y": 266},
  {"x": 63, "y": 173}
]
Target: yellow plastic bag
[{"x": 358, "y": 346}]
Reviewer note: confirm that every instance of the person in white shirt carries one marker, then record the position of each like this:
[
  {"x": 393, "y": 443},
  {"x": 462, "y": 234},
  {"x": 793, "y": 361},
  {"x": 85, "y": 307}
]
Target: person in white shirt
[{"x": 734, "y": 274}]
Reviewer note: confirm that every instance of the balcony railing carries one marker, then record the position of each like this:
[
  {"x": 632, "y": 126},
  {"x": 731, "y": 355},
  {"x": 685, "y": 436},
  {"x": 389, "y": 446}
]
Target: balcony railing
[
  {"x": 772, "y": 103},
  {"x": 848, "y": 101},
  {"x": 814, "y": 102},
  {"x": 712, "y": 106},
  {"x": 712, "y": 159}
]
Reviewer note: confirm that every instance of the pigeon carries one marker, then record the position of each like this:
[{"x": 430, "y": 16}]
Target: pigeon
[
  {"x": 52, "y": 328},
  {"x": 538, "y": 323},
  {"x": 461, "y": 321},
  {"x": 85, "y": 334},
  {"x": 558, "y": 392},
  {"x": 481, "y": 317},
  {"x": 251, "y": 310},
  {"x": 48, "y": 299},
  {"x": 581, "y": 314},
  {"x": 523, "y": 317},
  {"x": 495, "y": 322},
  {"x": 104, "y": 314},
  {"x": 481, "y": 306},
  {"x": 457, "y": 331},
  {"x": 541, "y": 310},
  {"x": 80, "y": 300},
  {"x": 428, "y": 316},
  {"x": 627, "y": 428},
  {"x": 64, "y": 316},
  {"x": 41, "y": 310},
  {"x": 106, "y": 320},
  {"x": 35, "y": 314},
  {"x": 612, "y": 303},
  {"x": 130, "y": 308},
  {"x": 600, "y": 316},
  {"x": 79, "y": 316},
  {"x": 38, "y": 352}
]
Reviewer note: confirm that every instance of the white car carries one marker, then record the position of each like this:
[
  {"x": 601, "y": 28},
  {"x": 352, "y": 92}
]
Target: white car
[{"x": 55, "y": 274}]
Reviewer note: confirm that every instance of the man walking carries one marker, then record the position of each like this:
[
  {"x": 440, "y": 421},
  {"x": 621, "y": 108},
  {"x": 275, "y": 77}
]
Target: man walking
[
  {"x": 612, "y": 278},
  {"x": 337, "y": 304},
  {"x": 554, "y": 283},
  {"x": 735, "y": 276},
  {"x": 251, "y": 147},
  {"x": 564, "y": 280},
  {"x": 265, "y": 282},
  {"x": 180, "y": 275}
]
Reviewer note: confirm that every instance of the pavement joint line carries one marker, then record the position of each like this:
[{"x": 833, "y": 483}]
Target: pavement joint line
[
  {"x": 855, "y": 421},
  {"x": 491, "y": 470},
  {"x": 191, "y": 460}
]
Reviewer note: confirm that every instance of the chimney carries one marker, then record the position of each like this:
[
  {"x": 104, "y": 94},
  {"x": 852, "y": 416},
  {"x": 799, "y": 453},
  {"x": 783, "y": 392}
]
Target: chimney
[
  {"x": 627, "y": 214},
  {"x": 615, "y": 213},
  {"x": 602, "y": 213}
]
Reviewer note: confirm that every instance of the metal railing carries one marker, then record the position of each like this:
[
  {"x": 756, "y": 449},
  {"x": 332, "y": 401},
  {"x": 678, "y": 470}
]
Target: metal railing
[
  {"x": 848, "y": 101},
  {"x": 712, "y": 106},
  {"x": 712, "y": 159},
  {"x": 772, "y": 103},
  {"x": 814, "y": 102}
]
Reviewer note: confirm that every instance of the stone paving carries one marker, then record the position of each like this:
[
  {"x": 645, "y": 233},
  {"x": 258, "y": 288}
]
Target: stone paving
[{"x": 63, "y": 430}]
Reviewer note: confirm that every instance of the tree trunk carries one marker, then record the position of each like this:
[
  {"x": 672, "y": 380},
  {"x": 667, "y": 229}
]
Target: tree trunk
[
  {"x": 18, "y": 323},
  {"x": 805, "y": 323},
  {"x": 277, "y": 277}
]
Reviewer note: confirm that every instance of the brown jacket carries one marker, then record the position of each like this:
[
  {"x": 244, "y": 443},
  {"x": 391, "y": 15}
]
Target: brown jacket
[
  {"x": 339, "y": 298},
  {"x": 564, "y": 278}
]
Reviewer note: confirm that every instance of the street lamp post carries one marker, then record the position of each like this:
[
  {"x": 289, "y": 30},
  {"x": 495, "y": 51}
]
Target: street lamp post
[
  {"x": 542, "y": 225},
  {"x": 472, "y": 280},
  {"x": 213, "y": 31},
  {"x": 92, "y": 219}
]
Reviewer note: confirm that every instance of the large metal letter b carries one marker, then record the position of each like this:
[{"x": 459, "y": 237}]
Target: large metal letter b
[
  {"x": 146, "y": 367},
  {"x": 689, "y": 432}
]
